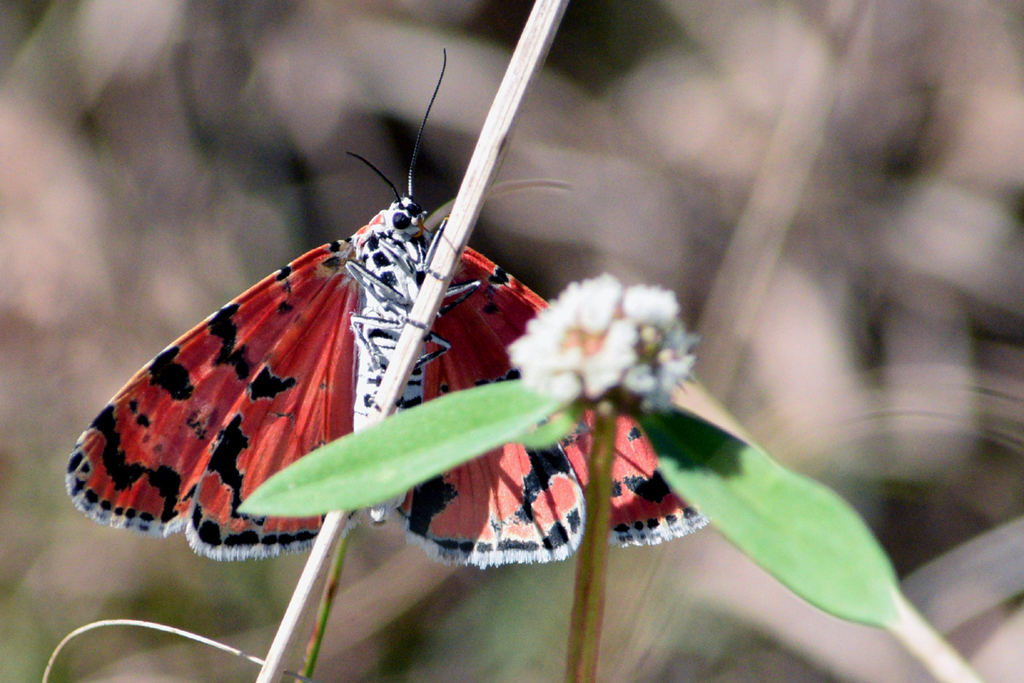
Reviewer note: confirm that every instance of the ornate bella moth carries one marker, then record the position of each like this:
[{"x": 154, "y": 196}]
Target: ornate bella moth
[{"x": 294, "y": 362}]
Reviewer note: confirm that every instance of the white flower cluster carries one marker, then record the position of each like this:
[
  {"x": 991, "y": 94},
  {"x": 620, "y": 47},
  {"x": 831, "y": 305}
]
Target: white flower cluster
[{"x": 599, "y": 335}]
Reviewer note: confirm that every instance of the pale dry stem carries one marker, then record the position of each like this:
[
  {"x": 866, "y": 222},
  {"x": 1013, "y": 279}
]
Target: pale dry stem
[{"x": 522, "y": 69}]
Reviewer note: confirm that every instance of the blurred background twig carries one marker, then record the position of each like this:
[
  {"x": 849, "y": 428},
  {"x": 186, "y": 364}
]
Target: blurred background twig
[{"x": 158, "y": 156}]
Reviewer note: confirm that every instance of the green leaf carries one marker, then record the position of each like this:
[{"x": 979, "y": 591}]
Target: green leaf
[
  {"x": 558, "y": 426},
  {"x": 801, "y": 532},
  {"x": 383, "y": 461}
]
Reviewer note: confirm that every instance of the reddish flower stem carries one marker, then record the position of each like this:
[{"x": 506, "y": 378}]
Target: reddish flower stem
[{"x": 592, "y": 557}]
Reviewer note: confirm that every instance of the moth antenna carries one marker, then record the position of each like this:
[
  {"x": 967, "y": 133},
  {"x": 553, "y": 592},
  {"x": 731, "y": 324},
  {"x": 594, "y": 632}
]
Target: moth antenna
[
  {"x": 376, "y": 170},
  {"x": 419, "y": 135}
]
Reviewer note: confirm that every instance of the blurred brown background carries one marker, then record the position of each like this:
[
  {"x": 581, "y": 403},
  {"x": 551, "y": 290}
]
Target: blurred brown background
[{"x": 834, "y": 188}]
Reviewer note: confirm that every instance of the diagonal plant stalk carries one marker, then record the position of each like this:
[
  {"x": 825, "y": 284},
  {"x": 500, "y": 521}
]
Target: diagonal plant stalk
[
  {"x": 526, "y": 61},
  {"x": 927, "y": 645},
  {"x": 592, "y": 557}
]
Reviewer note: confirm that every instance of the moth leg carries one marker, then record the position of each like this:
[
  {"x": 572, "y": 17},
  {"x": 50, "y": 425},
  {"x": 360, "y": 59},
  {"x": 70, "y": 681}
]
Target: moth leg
[
  {"x": 433, "y": 249},
  {"x": 384, "y": 291},
  {"x": 360, "y": 325},
  {"x": 408, "y": 259},
  {"x": 463, "y": 290},
  {"x": 433, "y": 338}
]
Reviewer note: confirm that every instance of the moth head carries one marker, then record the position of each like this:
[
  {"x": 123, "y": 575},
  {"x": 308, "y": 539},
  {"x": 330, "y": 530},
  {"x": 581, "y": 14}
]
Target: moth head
[{"x": 404, "y": 219}]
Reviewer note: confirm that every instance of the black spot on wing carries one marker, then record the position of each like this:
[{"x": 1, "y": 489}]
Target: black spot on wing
[
  {"x": 120, "y": 471},
  {"x": 546, "y": 464},
  {"x": 300, "y": 537},
  {"x": 170, "y": 376},
  {"x": 380, "y": 259},
  {"x": 245, "y": 538},
  {"x": 283, "y": 276},
  {"x": 268, "y": 385},
  {"x": 429, "y": 499},
  {"x": 76, "y": 459},
  {"x": 168, "y": 483},
  {"x": 165, "y": 480},
  {"x": 498, "y": 277},
  {"x": 231, "y": 441},
  {"x": 197, "y": 425},
  {"x": 543, "y": 466},
  {"x": 209, "y": 531},
  {"x": 460, "y": 548},
  {"x": 654, "y": 489},
  {"x": 556, "y": 537},
  {"x": 574, "y": 520},
  {"x": 511, "y": 544},
  {"x": 221, "y": 325},
  {"x": 634, "y": 434},
  {"x": 490, "y": 307}
]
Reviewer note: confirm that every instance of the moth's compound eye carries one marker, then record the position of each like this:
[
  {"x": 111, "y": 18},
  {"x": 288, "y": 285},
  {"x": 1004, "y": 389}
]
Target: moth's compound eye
[{"x": 401, "y": 220}]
